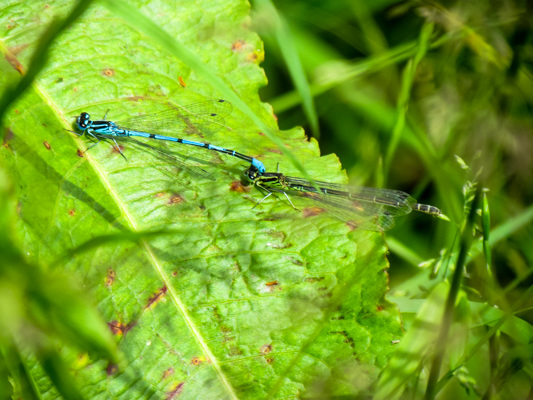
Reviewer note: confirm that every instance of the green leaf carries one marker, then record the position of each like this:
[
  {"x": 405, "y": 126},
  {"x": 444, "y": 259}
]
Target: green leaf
[{"x": 207, "y": 297}]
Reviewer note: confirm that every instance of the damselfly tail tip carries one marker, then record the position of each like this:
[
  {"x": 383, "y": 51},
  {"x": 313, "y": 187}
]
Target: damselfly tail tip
[
  {"x": 427, "y": 209},
  {"x": 443, "y": 217}
]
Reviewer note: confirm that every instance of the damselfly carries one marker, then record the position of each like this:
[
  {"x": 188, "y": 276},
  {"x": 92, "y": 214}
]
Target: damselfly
[
  {"x": 364, "y": 207},
  {"x": 189, "y": 119}
]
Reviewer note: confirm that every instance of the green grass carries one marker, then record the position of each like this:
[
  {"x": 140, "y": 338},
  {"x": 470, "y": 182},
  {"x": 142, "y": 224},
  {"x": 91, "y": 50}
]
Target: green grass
[{"x": 206, "y": 297}]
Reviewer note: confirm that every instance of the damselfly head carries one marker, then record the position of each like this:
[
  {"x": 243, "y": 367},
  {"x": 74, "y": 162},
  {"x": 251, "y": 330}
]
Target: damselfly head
[
  {"x": 84, "y": 121},
  {"x": 252, "y": 173}
]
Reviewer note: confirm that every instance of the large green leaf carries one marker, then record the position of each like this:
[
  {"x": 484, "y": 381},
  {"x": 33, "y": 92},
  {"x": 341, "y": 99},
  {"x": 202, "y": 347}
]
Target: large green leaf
[{"x": 225, "y": 300}]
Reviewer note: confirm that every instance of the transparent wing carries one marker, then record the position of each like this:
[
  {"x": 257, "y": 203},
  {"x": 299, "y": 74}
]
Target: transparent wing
[
  {"x": 367, "y": 216},
  {"x": 368, "y": 208},
  {"x": 181, "y": 164},
  {"x": 395, "y": 202},
  {"x": 205, "y": 117}
]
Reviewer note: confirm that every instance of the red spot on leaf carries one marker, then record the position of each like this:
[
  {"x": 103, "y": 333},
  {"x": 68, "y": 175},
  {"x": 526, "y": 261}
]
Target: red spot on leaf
[
  {"x": 168, "y": 372},
  {"x": 8, "y": 135},
  {"x": 156, "y": 297},
  {"x": 117, "y": 150},
  {"x": 17, "y": 66},
  {"x": 177, "y": 390},
  {"x": 196, "y": 361},
  {"x": 312, "y": 211},
  {"x": 274, "y": 150},
  {"x": 265, "y": 349},
  {"x": 111, "y": 369},
  {"x": 118, "y": 328},
  {"x": 237, "y": 186},
  {"x": 175, "y": 199},
  {"x": 352, "y": 225},
  {"x": 238, "y": 45}
]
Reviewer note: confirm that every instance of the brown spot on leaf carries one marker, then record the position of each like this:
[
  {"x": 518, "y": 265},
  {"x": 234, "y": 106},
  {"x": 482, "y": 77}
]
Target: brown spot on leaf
[
  {"x": 8, "y": 135},
  {"x": 181, "y": 81},
  {"x": 118, "y": 328},
  {"x": 17, "y": 66},
  {"x": 17, "y": 49},
  {"x": 177, "y": 390},
  {"x": 111, "y": 369},
  {"x": 265, "y": 349},
  {"x": 234, "y": 351},
  {"x": 117, "y": 150},
  {"x": 269, "y": 360},
  {"x": 237, "y": 186},
  {"x": 47, "y": 145},
  {"x": 314, "y": 279},
  {"x": 110, "y": 277},
  {"x": 156, "y": 297},
  {"x": 274, "y": 150},
  {"x": 175, "y": 199},
  {"x": 80, "y": 153},
  {"x": 238, "y": 45},
  {"x": 273, "y": 283},
  {"x": 167, "y": 373},
  {"x": 312, "y": 211},
  {"x": 196, "y": 361},
  {"x": 109, "y": 72},
  {"x": 352, "y": 225},
  {"x": 72, "y": 212},
  {"x": 252, "y": 57}
]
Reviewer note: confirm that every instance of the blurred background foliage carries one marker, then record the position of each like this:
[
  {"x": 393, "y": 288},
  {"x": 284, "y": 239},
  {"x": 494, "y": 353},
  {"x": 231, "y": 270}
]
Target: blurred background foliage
[{"x": 468, "y": 94}]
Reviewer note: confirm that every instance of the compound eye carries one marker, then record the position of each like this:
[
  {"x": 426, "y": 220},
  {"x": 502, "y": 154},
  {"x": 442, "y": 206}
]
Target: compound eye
[{"x": 83, "y": 119}]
